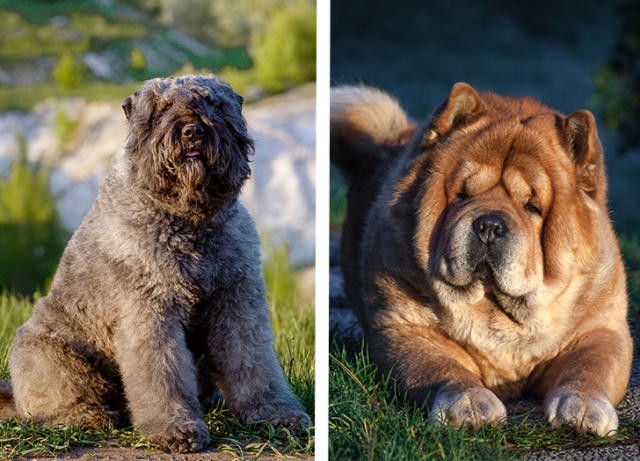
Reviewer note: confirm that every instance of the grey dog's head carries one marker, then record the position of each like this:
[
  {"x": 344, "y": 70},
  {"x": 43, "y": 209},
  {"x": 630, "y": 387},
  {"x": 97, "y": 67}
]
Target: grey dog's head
[{"x": 188, "y": 143}]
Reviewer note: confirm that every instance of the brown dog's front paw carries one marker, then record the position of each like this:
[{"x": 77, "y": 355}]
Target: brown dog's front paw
[
  {"x": 473, "y": 407},
  {"x": 588, "y": 414},
  {"x": 183, "y": 437}
]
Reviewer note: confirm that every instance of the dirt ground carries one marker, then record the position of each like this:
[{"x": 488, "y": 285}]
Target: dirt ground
[{"x": 131, "y": 454}]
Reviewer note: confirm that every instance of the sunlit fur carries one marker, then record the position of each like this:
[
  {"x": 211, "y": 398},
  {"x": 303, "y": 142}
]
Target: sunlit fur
[
  {"x": 461, "y": 322},
  {"x": 158, "y": 302}
]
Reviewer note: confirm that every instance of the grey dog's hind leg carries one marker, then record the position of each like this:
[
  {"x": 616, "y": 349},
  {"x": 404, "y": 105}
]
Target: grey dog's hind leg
[
  {"x": 7, "y": 404},
  {"x": 53, "y": 383}
]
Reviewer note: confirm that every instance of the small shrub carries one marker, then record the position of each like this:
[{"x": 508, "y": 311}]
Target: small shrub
[
  {"x": 31, "y": 235},
  {"x": 239, "y": 79},
  {"x": 137, "y": 60},
  {"x": 63, "y": 126},
  {"x": 69, "y": 73},
  {"x": 284, "y": 54}
]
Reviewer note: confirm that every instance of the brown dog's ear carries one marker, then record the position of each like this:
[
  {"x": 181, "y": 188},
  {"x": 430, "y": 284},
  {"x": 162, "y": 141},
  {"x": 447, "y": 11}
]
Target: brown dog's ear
[
  {"x": 582, "y": 143},
  {"x": 462, "y": 105}
]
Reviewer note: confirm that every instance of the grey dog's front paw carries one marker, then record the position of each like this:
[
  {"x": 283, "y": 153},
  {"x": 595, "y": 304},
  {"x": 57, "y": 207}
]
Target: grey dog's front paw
[
  {"x": 291, "y": 419},
  {"x": 183, "y": 437},
  {"x": 586, "y": 413},
  {"x": 278, "y": 415},
  {"x": 473, "y": 407}
]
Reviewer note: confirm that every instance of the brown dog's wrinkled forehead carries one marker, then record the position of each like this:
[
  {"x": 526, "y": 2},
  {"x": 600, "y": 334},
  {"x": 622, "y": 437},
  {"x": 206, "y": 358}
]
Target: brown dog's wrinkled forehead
[
  {"x": 486, "y": 135},
  {"x": 487, "y": 128}
]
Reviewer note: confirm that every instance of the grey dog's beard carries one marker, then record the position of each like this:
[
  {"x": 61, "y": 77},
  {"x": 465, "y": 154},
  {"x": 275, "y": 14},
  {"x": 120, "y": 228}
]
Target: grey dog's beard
[{"x": 192, "y": 182}]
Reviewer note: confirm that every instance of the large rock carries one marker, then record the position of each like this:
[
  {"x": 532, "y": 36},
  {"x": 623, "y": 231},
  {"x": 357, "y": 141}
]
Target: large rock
[{"x": 280, "y": 194}]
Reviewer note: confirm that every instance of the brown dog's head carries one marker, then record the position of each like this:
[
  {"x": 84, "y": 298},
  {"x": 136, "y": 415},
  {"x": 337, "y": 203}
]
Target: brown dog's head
[
  {"x": 511, "y": 197},
  {"x": 188, "y": 143}
]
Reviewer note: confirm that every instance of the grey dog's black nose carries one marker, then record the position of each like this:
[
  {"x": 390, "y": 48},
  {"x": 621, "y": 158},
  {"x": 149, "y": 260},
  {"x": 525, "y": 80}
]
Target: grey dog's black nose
[
  {"x": 488, "y": 228},
  {"x": 192, "y": 131}
]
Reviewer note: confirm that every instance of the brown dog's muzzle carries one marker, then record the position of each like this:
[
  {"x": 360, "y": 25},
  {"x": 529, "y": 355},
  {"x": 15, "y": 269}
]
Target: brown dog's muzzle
[{"x": 490, "y": 228}]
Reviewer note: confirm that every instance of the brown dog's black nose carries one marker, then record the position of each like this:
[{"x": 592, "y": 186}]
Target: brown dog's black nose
[
  {"x": 192, "y": 131},
  {"x": 488, "y": 228}
]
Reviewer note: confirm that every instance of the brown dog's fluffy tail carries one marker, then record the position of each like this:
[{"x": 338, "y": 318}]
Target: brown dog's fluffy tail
[
  {"x": 7, "y": 404},
  {"x": 368, "y": 126}
]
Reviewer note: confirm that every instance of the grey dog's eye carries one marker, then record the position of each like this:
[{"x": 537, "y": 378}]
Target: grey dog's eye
[{"x": 165, "y": 108}]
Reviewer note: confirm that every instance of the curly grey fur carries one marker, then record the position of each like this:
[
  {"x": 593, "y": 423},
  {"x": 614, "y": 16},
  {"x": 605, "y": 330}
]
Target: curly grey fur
[{"x": 159, "y": 293}]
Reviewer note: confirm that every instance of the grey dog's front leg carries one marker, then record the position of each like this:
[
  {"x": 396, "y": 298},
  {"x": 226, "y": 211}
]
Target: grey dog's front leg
[
  {"x": 160, "y": 384},
  {"x": 246, "y": 366}
]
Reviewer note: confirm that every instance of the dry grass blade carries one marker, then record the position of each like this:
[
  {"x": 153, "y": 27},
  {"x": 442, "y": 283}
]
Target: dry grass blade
[{"x": 372, "y": 398}]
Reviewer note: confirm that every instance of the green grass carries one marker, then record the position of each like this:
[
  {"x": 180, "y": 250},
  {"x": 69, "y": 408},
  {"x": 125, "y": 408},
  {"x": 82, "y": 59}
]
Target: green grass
[
  {"x": 369, "y": 419},
  {"x": 293, "y": 320}
]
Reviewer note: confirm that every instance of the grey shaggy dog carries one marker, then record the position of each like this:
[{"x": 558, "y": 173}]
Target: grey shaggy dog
[{"x": 159, "y": 298}]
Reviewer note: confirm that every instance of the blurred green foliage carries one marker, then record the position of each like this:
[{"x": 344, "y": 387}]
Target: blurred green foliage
[
  {"x": 240, "y": 79},
  {"x": 617, "y": 94},
  {"x": 64, "y": 126},
  {"x": 284, "y": 54},
  {"x": 279, "y": 276},
  {"x": 292, "y": 320},
  {"x": 25, "y": 97},
  {"x": 235, "y": 22},
  {"x": 141, "y": 39},
  {"x": 31, "y": 235},
  {"x": 137, "y": 61},
  {"x": 97, "y": 27},
  {"x": 69, "y": 73},
  {"x": 217, "y": 22},
  {"x": 23, "y": 39},
  {"x": 630, "y": 249},
  {"x": 282, "y": 47}
]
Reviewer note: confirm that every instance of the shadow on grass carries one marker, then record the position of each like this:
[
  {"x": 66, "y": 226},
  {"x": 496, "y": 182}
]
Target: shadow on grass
[{"x": 369, "y": 418}]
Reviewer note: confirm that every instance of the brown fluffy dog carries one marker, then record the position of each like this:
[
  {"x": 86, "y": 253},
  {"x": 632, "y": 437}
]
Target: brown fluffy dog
[{"x": 479, "y": 255}]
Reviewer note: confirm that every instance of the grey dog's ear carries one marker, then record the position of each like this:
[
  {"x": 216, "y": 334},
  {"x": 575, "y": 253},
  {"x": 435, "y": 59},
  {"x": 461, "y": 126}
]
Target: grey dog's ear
[{"x": 127, "y": 105}]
